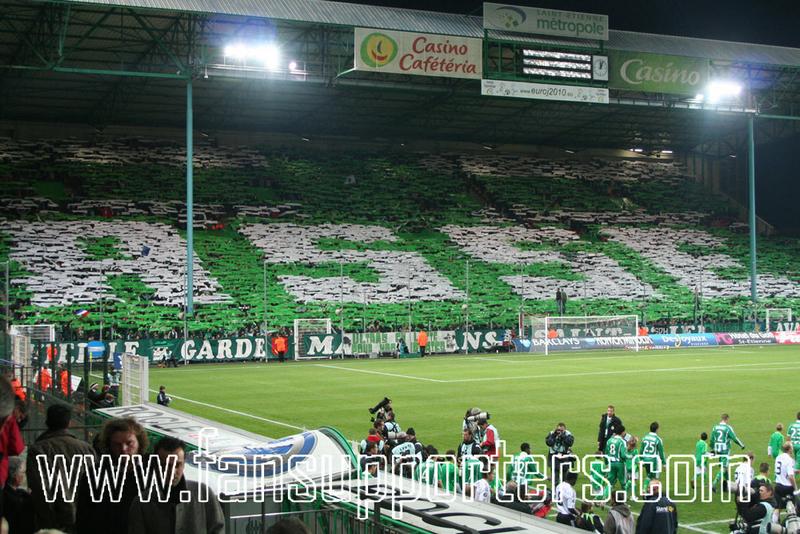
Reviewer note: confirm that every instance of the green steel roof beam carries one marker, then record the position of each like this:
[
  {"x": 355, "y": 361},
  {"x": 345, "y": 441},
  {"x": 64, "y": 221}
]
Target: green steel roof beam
[{"x": 157, "y": 39}]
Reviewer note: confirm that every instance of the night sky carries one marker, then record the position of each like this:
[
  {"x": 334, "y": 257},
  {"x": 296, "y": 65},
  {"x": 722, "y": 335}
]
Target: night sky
[{"x": 772, "y": 22}]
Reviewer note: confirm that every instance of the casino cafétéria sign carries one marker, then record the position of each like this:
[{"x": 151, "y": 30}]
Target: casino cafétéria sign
[{"x": 418, "y": 53}]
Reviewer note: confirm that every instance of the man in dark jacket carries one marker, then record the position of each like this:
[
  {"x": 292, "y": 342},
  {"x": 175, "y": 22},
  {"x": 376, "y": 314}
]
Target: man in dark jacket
[
  {"x": 609, "y": 424},
  {"x": 101, "y": 514},
  {"x": 196, "y": 515},
  {"x": 659, "y": 515},
  {"x": 56, "y": 441},
  {"x": 17, "y": 505}
]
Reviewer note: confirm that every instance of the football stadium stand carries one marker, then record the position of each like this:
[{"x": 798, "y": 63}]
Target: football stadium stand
[{"x": 371, "y": 242}]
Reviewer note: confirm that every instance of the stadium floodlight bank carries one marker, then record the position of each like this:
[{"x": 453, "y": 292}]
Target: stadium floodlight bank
[
  {"x": 545, "y": 331},
  {"x": 305, "y": 327},
  {"x": 773, "y": 317}
]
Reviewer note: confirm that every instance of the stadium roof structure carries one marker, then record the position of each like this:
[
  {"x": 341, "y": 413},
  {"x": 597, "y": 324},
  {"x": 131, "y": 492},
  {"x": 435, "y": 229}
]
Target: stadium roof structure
[{"x": 126, "y": 62}]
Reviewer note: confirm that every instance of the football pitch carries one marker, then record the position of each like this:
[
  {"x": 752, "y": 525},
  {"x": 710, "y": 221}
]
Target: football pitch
[{"x": 684, "y": 390}]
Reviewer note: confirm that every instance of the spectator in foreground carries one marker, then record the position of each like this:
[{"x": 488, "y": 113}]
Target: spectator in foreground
[
  {"x": 290, "y": 525},
  {"x": 619, "y": 519},
  {"x": 119, "y": 437},
  {"x": 18, "y": 506},
  {"x": 55, "y": 441},
  {"x": 11, "y": 443},
  {"x": 659, "y": 515},
  {"x": 175, "y": 515}
]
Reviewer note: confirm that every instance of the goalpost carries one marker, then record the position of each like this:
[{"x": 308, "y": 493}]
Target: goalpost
[
  {"x": 546, "y": 331},
  {"x": 774, "y": 316},
  {"x": 304, "y": 327},
  {"x": 135, "y": 380}
]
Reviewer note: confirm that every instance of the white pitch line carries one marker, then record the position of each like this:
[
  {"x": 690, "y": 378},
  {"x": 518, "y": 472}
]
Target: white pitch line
[
  {"x": 709, "y": 522},
  {"x": 408, "y": 377},
  {"x": 627, "y": 371},
  {"x": 235, "y": 412},
  {"x": 695, "y": 529}
]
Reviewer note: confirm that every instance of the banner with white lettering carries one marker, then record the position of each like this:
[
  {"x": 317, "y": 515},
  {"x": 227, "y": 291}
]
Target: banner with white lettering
[
  {"x": 421, "y": 54},
  {"x": 657, "y": 73}
]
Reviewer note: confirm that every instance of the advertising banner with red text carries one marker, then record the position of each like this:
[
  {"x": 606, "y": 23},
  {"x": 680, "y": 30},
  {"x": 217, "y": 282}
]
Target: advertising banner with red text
[
  {"x": 787, "y": 338},
  {"x": 422, "y": 54}
]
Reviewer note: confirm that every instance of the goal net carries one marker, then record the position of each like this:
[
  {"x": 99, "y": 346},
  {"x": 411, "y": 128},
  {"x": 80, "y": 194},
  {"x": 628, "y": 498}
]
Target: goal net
[
  {"x": 307, "y": 327},
  {"x": 548, "y": 332},
  {"x": 41, "y": 333},
  {"x": 773, "y": 317},
  {"x": 135, "y": 380}
]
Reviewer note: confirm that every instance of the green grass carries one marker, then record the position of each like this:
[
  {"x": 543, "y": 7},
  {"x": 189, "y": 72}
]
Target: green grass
[{"x": 684, "y": 390}]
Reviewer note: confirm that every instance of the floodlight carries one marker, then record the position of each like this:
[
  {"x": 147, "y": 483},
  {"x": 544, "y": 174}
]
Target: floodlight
[
  {"x": 722, "y": 89},
  {"x": 666, "y": 151},
  {"x": 293, "y": 65},
  {"x": 236, "y": 51},
  {"x": 270, "y": 56}
]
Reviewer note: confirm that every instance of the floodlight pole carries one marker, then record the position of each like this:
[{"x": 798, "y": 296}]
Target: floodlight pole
[
  {"x": 8, "y": 298},
  {"x": 341, "y": 308},
  {"x": 467, "y": 310},
  {"x": 751, "y": 175},
  {"x": 8, "y": 314},
  {"x": 189, "y": 199},
  {"x": 265, "y": 297}
]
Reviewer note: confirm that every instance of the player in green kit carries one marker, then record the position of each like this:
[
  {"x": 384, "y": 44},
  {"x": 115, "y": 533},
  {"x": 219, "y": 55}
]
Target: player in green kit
[
  {"x": 448, "y": 472},
  {"x": 631, "y": 462},
  {"x": 776, "y": 442},
  {"x": 652, "y": 452},
  {"x": 617, "y": 452},
  {"x": 428, "y": 471},
  {"x": 597, "y": 475},
  {"x": 700, "y": 456},
  {"x": 794, "y": 437},
  {"x": 721, "y": 436},
  {"x": 522, "y": 468}
]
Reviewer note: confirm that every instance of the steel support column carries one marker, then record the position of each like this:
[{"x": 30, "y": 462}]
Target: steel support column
[
  {"x": 189, "y": 201},
  {"x": 751, "y": 175}
]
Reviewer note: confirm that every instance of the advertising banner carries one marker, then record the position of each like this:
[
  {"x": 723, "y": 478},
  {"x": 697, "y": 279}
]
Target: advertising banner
[
  {"x": 545, "y": 21},
  {"x": 582, "y": 343},
  {"x": 242, "y": 348},
  {"x": 787, "y": 338},
  {"x": 439, "y": 342},
  {"x": 421, "y": 54},
  {"x": 545, "y": 91},
  {"x": 683, "y": 340},
  {"x": 657, "y": 73},
  {"x": 745, "y": 338}
]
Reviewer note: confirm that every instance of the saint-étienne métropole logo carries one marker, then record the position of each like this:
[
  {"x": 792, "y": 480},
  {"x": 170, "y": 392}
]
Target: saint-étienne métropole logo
[
  {"x": 510, "y": 17},
  {"x": 378, "y": 50}
]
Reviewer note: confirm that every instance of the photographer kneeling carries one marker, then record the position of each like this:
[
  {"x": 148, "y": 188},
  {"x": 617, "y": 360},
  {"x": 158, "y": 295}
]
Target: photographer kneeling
[{"x": 757, "y": 514}]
